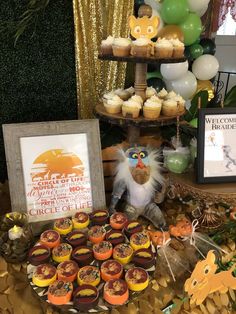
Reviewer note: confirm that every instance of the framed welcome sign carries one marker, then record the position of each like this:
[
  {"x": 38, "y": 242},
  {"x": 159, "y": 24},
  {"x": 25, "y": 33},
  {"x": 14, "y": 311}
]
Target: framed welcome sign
[
  {"x": 54, "y": 168},
  {"x": 216, "y": 152}
]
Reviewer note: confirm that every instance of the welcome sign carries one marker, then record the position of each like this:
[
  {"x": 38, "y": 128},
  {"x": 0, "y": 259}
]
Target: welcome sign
[{"x": 217, "y": 145}]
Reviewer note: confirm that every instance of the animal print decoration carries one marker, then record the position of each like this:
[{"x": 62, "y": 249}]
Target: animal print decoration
[
  {"x": 144, "y": 27},
  {"x": 204, "y": 280}
]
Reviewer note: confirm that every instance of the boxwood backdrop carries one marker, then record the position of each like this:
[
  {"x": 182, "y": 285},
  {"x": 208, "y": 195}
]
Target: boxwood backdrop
[{"x": 37, "y": 75}]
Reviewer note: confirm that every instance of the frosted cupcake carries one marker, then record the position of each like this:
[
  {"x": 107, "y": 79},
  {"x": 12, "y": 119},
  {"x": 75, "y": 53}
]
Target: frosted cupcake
[
  {"x": 152, "y": 108},
  {"x": 121, "y": 47},
  {"x": 180, "y": 102},
  {"x": 171, "y": 95},
  {"x": 131, "y": 107},
  {"x": 169, "y": 108},
  {"x": 122, "y": 93},
  {"x": 162, "y": 93},
  {"x": 130, "y": 90},
  {"x": 150, "y": 91},
  {"x": 113, "y": 105},
  {"x": 142, "y": 47},
  {"x": 178, "y": 48},
  {"x": 108, "y": 96},
  {"x": 106, "y": 46},
  {"x": 137, "y": 98},
  {"x": 163, "y": 48}
]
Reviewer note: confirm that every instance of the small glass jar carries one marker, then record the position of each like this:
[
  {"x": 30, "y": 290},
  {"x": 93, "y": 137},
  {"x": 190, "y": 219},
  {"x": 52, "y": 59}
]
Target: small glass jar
[{"x": 16, "y": 237}]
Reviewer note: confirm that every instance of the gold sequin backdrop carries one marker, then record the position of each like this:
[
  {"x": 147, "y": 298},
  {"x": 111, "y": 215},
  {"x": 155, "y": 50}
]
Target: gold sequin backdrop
[{"x": 95, "y": 20}]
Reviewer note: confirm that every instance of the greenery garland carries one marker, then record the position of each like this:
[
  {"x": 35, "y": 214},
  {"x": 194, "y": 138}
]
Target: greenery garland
[{"x": 30, "y": 17}]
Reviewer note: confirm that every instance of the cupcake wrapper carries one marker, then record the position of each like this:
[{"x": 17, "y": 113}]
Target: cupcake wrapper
[
  {"x": 134, "y": 112},
  {"x": 178, "y": 52},
  {"x": 141, "y": 51},
  {"x": 121, "y": 51},
  {"x": 113, "y": 109},
  {"x": 151, "y": 113},
  {"x": 172, "y": 111},
  {"x": 163, "y": 52},
  {"x": 106, "y": 50}
]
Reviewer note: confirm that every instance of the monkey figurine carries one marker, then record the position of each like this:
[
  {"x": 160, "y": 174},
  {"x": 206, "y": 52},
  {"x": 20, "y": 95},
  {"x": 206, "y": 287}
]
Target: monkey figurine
[{"x": 139, "y": 175}]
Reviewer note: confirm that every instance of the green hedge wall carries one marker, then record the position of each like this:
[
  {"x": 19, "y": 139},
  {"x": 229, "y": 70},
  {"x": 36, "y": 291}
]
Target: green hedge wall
[{"x": 37, "y": 76}]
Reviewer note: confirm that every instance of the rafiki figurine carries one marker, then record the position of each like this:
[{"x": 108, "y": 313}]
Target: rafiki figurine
[{"x": 138, "y": 174}]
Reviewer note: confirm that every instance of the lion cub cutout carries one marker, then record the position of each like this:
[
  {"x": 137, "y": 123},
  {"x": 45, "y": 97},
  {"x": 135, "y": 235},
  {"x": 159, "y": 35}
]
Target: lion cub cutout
[
  {"x": 205, "y": 281},
  {"x": 144, "y": 27}
]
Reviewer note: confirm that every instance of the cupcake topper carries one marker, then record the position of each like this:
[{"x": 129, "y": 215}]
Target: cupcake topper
[{"x": 144, "y": 27}]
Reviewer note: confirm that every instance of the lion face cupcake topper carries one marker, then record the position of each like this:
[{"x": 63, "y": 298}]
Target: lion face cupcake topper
[{"x": 144, "y": 27}]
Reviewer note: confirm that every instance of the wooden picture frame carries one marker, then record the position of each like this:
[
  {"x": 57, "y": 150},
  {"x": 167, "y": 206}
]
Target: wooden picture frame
[
  {"x": 216, "y": 149},
  {"x": 54, "y": 164}
]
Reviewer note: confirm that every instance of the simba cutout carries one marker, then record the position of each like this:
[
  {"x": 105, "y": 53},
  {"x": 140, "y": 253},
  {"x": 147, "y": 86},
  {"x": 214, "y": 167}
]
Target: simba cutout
[
  {"x": 205, "y": 281},
  {"x": 144, "y": 27}
]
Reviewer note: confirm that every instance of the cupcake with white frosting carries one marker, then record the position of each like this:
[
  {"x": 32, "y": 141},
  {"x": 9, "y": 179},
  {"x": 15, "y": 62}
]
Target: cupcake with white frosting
[
  {"x": 180, "y": 102},
  {"x": 171, "y": 95},
  {"x": 162, "y": 93},
  {"x": 142, "y": 47},
  {"x": 113, "y": 105},
  {"x": 152, "y": 107},
  {"x": 131, "y": 107},
  {"x": 150, "y": 91},
  {"x": 170, "y": 108},
  {"x": 122, "y": 93},
  {"x": 163, "y": 48},
  {"x": 130, "y": 90},
  {"x": 137, "y": 98},
  {"x": 121, "y": 47},
  {"x": 178, "y": 48},
  {"x": 106, "y": 46}
]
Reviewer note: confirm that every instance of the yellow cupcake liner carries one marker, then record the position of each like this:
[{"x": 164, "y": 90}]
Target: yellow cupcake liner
[
  {"x": 123, "y": 260},
  {"x": 137, "y": 286},
  {"x": 59, "y": 259},
  {"x": 44, "y": 282},
  {"x": 63, "y": 231},
  {"x": 93, "y": 283},
  {"x": 140, "y": 246},
  {"x": 80, "y": 225}
]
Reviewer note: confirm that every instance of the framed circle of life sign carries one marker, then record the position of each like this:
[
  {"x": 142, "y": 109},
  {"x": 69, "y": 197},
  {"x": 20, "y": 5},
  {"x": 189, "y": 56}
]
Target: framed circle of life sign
[
  {"x": 216, "y": 148},
  {"x": 54, "y": 168}
]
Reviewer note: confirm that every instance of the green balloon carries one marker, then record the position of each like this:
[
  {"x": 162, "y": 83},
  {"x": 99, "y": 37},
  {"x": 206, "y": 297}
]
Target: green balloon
[
  {"x": 177, "y": 162},
  {"x": 154, "y": 74},
  {"x": 209, "y": 47},
  {"x": 194, "y": 122},
  {"x": 192, "y": 28},
  {"x": 196, "y": 51},
  {"x": 174, "y": 11}
]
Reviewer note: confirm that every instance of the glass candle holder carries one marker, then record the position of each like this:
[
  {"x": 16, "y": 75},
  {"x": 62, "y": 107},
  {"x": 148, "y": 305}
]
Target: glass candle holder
[{"x": 16, "y": 237}]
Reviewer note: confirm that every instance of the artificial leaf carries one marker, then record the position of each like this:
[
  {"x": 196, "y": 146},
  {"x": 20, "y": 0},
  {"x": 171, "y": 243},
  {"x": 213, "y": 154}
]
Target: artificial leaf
[
  {"x": 192, "y": 112},
  {"x": 230, "y": 98}
]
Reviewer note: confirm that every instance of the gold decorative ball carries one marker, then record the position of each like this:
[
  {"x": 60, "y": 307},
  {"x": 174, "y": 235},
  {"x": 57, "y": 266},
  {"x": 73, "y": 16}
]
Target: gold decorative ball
[{"x": 145, "y": 10}]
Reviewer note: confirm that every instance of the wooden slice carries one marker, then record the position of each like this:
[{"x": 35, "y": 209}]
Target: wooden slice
[{"x": 141, "y": 59}]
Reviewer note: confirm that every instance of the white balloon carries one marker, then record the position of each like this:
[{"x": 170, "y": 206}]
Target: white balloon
[
  {"x": 197, "y": 5},
  {"x": 161, "y": 24},
  {"x": 186, "y": 85},
  {"x": 173, "y": 71},
  {"x": 205, "y": 67},
  {"x": 154, "y": 4},
  {"x": 202, "y": 11}
]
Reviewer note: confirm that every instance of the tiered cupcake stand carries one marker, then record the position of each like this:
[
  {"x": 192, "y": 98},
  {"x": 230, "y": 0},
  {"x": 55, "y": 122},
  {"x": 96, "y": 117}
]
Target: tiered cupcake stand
[{"x": 140, "y": 85}]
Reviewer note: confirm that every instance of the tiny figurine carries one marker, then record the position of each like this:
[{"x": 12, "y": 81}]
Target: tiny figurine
[{"x": 139, "y": 174}]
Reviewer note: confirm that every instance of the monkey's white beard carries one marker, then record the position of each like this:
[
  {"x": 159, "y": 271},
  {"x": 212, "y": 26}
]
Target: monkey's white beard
[{"x": 139, "y": 195}]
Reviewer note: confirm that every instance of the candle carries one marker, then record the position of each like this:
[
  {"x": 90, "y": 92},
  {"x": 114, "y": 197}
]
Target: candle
[{"x": 15, "y": 232}]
